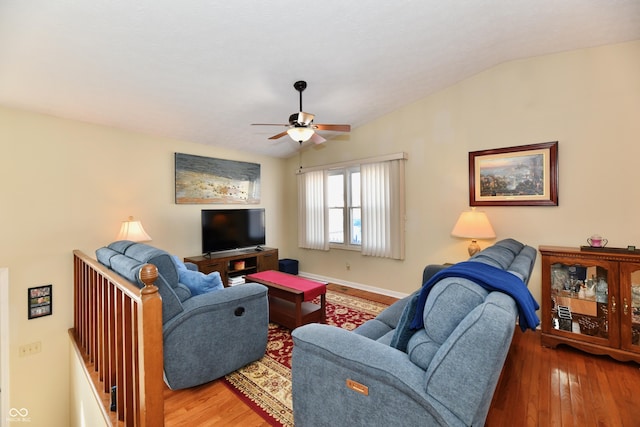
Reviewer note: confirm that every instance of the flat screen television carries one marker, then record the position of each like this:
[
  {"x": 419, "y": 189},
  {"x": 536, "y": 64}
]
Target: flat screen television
[{"x": 227, "y": 229}]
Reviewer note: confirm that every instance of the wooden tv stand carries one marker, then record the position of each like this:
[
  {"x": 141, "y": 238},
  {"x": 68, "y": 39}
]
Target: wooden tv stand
[{"x": 228, "y": 263}]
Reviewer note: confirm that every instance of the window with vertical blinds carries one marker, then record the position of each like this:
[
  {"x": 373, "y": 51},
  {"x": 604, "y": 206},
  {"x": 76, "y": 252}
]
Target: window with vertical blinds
[{"x": 355, "y": 205}]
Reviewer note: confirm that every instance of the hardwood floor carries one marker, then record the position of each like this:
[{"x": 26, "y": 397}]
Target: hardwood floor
[
  {"x": 212, "y": 404},
  {"x": 538, "y": 387},
  {"x": 564, "y": 387}
]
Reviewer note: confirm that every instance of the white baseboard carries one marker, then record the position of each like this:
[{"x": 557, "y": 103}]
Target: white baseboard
[{"x": 352, "y": 285}]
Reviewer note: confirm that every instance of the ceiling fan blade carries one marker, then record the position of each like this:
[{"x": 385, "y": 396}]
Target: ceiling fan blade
[
  {"x": 305, "y": 118},
  {"x": 338, "y": 128},
  {"x": 268, "y": 124},
  {"x": 280, "y": 135},
  {"x": 317, "y": 139}
]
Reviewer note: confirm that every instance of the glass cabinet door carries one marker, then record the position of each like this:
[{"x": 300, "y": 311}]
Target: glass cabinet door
[
  {"x": 580, "y": 299},
  {"x": 630, "y": 306}
]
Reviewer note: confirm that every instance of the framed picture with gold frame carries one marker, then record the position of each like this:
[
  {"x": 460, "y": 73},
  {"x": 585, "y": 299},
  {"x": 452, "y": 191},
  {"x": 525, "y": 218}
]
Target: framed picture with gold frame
[{"x": 525, "y": 175}]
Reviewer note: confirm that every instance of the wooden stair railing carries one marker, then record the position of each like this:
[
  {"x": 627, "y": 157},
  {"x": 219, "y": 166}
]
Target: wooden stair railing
[{"x": 118, "y": 333}]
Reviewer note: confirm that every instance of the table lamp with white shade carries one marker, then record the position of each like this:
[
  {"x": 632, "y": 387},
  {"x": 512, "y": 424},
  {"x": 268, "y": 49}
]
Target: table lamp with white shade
[
  {"x": 133, "y": 230},
  {"x": 473, "y": 225}
]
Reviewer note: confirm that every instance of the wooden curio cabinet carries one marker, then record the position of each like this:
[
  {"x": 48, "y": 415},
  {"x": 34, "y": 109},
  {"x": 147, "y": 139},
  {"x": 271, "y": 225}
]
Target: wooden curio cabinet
[{"x": 591, "y": 300}]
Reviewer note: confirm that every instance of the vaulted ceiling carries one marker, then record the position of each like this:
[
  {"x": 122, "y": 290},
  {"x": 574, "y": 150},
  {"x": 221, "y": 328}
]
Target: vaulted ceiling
[{"x": 203, "y": 70}]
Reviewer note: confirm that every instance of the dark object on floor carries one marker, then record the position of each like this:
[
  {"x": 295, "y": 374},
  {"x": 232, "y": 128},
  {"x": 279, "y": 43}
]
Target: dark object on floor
[
  {"x": 287, "y": 265},
  {"x": 113, "y": 399}
]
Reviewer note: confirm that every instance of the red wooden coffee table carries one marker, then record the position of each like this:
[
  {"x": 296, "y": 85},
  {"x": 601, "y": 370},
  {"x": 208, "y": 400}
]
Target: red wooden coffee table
[{"x": 290, "y": 298}]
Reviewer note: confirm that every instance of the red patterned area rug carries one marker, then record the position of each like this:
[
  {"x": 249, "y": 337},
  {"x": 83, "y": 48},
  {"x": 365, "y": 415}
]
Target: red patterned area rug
[{"x": 266, "y": 384}]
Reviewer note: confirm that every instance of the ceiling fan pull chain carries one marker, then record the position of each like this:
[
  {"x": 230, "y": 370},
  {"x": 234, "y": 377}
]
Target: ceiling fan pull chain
[{"x": 300, "y": 156}]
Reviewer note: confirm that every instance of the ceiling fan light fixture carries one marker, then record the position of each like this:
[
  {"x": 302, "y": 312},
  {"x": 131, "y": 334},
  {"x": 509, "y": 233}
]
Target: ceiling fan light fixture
[{"x": 300, "y": 134}]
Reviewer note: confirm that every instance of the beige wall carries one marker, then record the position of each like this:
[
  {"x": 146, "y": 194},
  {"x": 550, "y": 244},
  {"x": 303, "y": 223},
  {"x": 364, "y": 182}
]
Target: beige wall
[
  {"x": 67, "y": 185},
  {"x": 588, "y": 100}
]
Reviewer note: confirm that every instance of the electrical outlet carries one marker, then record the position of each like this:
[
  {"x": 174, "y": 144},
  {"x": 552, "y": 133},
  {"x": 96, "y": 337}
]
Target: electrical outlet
[{"x": 29, "y": 349}]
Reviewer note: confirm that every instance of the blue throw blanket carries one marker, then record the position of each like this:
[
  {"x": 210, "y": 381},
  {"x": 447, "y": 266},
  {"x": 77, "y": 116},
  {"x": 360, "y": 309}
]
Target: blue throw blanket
[{"x": 491, "y": 279}]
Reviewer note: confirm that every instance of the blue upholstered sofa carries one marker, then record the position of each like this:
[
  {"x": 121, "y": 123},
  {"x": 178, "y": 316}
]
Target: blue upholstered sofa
[
  {"x": 205, "y": 336},
  {"x": 444, "y": 373}
]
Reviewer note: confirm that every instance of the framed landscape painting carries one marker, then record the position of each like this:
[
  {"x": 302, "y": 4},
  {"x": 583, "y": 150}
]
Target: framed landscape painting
[
  {"x": 210, "y": 180},
  {"x": 525, "y": 175}
]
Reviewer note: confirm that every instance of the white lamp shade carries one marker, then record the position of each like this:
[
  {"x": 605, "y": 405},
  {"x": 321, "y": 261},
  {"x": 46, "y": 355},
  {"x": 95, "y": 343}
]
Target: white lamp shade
[
  {"x": 300, "y": 134},
  {"x": 473, "y": 225},
  {"x": 133, "y": 230}
]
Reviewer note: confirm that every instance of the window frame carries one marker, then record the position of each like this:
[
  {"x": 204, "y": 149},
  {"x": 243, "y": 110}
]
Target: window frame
[{"x": 347, "y": 208}]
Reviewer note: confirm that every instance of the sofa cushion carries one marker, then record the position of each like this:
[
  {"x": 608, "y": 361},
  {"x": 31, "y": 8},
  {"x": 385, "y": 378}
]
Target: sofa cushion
[
  {"x": 496, "y": 256},
  {"x": 450, "y": 301},
  {"x": 513, "y": 245},
  {"x": 161, "y": 259},
  {"x": 523, "y": 263},
  {"x": 121, "y": 246},
  {"x": 421, "y": 349},
  {"x": 127, "y": 268},
  {"x": 200, "y": 283},
  {"x": 193, "y": 282},
  {"x": 104, "y": 256}
]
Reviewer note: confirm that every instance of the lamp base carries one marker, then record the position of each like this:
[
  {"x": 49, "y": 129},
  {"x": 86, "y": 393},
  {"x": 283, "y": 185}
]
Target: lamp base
[{"x": 474, "y": 248}]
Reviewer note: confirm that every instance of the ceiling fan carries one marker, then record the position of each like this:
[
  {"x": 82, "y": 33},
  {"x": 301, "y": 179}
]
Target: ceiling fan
[{"x": 301, "y": 126}]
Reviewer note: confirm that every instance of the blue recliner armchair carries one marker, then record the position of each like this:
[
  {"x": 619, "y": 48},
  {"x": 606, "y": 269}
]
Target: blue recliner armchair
[
  {"x": 442, "y": 373},
  {"x": 205, "y": 336}
]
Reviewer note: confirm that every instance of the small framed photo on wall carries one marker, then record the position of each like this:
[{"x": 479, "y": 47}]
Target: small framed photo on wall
[{"x": 40, "y": 301}]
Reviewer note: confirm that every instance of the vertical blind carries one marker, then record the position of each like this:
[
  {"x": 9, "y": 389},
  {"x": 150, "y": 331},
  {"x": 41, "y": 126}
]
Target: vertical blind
[
  {"x": 383, "y": 204},
  {"x": 382, "y": 192},
  {"x": 312, "y": 217}
]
